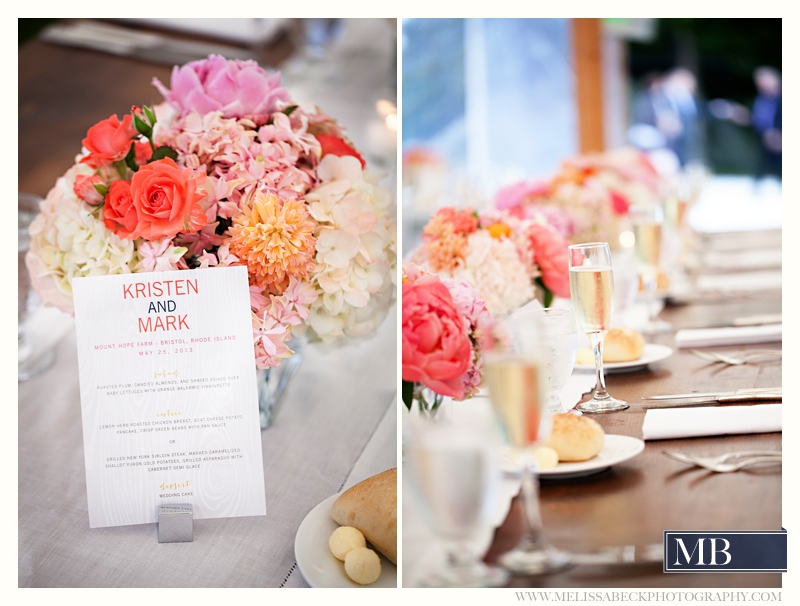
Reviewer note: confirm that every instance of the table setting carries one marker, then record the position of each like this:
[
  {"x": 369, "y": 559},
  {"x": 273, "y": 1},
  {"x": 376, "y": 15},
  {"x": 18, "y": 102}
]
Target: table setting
[
  {"x": 652, "y": 409},
  {"x": 181, "y": 257}
]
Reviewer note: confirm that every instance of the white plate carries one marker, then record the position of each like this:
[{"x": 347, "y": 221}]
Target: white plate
[
  {"x": 616, "y": 449},
  {"x": 315, "y": 560},
  {"x": 652, "y": 353}
]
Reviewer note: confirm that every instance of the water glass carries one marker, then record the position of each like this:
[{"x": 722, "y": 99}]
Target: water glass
[
  {"x": 32, "y": 358},
  {"x": 559, "y": 341},
  {"x": 455, "y": 476}
]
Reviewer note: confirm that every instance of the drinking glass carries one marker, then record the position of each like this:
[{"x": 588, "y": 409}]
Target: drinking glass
[
  {"x": 560, "y": 344},
  {"x": 648, "y": 223},
  {"x": 515, "y": 375},
  {"x": 591, "y": 286},
  {"x": 455, "y": 477},
  {"x": 32, "y": 358}
]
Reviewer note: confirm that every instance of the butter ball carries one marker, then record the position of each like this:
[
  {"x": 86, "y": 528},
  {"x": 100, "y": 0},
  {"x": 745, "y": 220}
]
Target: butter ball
[
  {"x": 546, "y": 457},
  {"x": 362, "y": 565},
  {"x": 344, "y": 539}
]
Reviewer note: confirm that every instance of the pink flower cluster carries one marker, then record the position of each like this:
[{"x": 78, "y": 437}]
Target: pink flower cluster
[
  {"x": 588, "y": 198},
  {"x": 225, "y": 173},
  {"x": 443, "y": 326},
  {"x": 504, "y": 256}
]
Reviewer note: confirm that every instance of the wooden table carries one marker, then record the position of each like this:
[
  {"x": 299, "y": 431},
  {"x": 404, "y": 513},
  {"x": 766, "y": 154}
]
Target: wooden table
[{"x": 633, "y": 503}]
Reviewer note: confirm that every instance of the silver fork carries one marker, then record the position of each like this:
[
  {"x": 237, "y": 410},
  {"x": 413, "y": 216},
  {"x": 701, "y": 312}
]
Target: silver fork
[
  {"x": 739, "y": 358},
  {"x": 732, "y": 461}
]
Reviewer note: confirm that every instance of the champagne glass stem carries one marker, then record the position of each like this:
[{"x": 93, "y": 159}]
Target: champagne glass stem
[
  {"x": 597, "y": 347},
  {"x": 532, "y": 536},
  {"x": 651, "y": 284}
]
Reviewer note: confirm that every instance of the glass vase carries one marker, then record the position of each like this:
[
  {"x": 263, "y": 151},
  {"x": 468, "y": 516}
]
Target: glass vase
[{"x": 272, "y": 383}]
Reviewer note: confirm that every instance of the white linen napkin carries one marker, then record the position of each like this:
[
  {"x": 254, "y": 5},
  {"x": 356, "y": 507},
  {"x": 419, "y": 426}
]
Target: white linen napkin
[
  {"x": 669, "y": 423},
  {"x": 729, "y": 335}
]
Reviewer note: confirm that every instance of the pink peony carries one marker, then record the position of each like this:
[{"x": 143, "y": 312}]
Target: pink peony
[
  {"x": 552, "y": 258},
  {"x": 436, "y": 348},
  {"x": 238, "y": 89}
]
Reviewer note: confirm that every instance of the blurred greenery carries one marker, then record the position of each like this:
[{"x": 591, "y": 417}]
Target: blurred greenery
[{"x": 30, "y": 28}]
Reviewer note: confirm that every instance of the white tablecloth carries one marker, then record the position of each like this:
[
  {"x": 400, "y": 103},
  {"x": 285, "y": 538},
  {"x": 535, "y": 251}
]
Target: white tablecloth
[{"x": 337, "y": 426}]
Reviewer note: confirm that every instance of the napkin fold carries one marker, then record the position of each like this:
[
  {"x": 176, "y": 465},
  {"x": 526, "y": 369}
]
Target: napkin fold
[
  {"x": 669, "y": 423},
  {"x": 729, "y": 335}
]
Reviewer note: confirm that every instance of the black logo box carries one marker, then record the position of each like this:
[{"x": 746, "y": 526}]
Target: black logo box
[{"x": 725, "y": 551}]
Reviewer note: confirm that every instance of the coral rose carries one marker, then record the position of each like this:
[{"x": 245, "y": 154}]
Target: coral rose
[
  {"x": 109, "y": 140},
  {"x": 166, "y": 200},
  {"x": 436, "y": 348},
  {"x": 119, "y": 214},
  {"x": 84, "y": 188},
  {"x": 551, "y": 252},
  {"x": 238, "y": 89}
]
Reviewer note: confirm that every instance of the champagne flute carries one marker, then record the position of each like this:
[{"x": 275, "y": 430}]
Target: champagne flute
[
  {"x": 591, "y": 286},
  {"x": 455, "y": 477},
  {"x": 517, "y": 388},
  {"x": 648, "y": 224}
]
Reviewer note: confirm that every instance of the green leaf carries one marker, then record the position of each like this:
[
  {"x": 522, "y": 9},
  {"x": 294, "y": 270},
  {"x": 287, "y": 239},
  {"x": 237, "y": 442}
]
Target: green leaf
[
  {"x": 143, "y": 127},
  {"x": 548, "y": 294},
  {"x": 165, "y": 151},
  {"x": 408, "y": 393},
  {"x": 101, "y": 189},
  {"x": 130, "y": 158},
  {"x": 151, "y": 115},
  {"x": 288, "y": 111}
]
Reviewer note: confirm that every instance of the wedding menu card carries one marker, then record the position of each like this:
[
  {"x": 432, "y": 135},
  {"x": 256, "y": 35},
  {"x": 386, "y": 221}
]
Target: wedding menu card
[{"x": 168, "y": 395}]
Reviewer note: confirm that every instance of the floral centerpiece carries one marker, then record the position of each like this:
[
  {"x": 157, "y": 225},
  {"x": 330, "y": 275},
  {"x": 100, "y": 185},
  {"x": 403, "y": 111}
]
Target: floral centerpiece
[
  {"x": 506, "y": 258},
  {"x": 228, "y": 171},
  {"x": 588, "y": 198},
  {"x": 444, "y": 324}
]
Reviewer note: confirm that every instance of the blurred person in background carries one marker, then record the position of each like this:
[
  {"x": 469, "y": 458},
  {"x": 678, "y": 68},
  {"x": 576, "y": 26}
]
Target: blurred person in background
[
  {"x": 767, "y": 121},
  {"x": 680, "y": 116}
]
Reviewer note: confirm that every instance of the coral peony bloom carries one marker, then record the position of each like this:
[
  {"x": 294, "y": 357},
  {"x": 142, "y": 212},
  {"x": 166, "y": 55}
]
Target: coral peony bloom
[
  {"x": 85, "y": 190},
  {"x": 119, "y": 213},
  {"x": 552, "y": 258},
  {"x": 167, "y": 199},
  {"x": 109, "y": 140},
  {"x": 436, "y": 348},
  {"x": 338, "y": 147},
  {"x": 238, "y": 89}
]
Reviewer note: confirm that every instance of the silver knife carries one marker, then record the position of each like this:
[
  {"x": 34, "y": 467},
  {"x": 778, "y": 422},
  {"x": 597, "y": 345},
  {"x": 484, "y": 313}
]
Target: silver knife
[
  {"x": 754, "y": 398},
  {"x": 715, "y": 394}
]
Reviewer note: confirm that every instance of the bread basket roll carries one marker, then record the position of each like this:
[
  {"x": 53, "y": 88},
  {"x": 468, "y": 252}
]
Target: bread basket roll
[
  {"x": 576, "y": 438},
  {"x": 371, "y": 506},
  {"x": 622, "y": 345}
]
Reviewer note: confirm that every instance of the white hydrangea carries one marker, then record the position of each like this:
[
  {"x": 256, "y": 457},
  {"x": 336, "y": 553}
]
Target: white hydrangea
[
  {"x": 355, "y": 259},
  {"x": 69, "y": 240},
  {"x": 493, "y": 266}
]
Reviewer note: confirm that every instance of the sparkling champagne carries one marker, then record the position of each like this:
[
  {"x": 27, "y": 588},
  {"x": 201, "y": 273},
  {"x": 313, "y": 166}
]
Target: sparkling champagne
[
  {"x": 592, "y": 290},
  {"x": 648, "y": 245},
  {"x": 518, "y": 395}
]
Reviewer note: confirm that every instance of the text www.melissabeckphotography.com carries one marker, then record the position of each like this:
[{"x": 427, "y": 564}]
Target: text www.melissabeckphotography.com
[{"x": 648, "y": 596}]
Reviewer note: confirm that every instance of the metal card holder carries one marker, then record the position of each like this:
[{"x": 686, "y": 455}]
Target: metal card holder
[{"x": 175, "y": 524}]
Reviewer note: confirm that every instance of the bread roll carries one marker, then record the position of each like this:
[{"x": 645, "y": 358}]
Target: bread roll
[
  {"x": 575, "y": 438},
  {"x": 371, "y": 506},
  {"x": 620, "y": 345}
]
